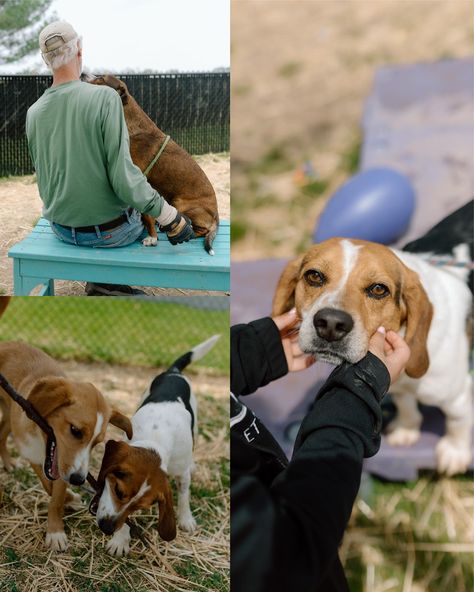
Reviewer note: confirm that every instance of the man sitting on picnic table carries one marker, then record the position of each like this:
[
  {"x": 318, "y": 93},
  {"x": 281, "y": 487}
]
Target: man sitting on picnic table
[{"x": 93, "y": 195}]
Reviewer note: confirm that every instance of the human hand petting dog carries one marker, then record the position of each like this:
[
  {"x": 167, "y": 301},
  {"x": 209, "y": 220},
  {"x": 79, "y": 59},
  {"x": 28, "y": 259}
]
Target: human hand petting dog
[
  {"x": 296, "y": 359},
  {"x": 391, "y": 349},
  {"x": 180, "y": 230}
]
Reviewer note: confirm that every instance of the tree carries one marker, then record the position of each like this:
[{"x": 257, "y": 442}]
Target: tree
[{"x": 20, "y": 24}]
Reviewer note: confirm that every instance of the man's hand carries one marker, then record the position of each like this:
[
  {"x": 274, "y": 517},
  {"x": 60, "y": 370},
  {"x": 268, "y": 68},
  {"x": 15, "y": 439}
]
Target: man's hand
[
  {"x": 180, "y": 230},
  {"x": 288, "y": 325},
  {"x": 392, "y": 350}
]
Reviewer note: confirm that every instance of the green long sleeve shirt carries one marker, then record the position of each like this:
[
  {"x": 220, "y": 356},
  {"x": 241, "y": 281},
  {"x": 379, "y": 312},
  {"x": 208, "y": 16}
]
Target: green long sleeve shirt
[{"x": 79, "y": 144}]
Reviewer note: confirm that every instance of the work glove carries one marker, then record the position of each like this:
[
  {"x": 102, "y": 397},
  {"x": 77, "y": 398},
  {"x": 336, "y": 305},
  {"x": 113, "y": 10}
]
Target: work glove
[{"x": 180, "y": 230}]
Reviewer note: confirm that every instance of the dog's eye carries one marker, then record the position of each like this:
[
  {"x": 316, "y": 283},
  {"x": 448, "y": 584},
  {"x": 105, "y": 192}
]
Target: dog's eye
[
  {"x": 76, "y": 432},
  {"x": 119, "y": 474},
  {"x": 119, "y": 493},
  {"x": 378, "y": 291},
  {"x": 313, "y": 277}
]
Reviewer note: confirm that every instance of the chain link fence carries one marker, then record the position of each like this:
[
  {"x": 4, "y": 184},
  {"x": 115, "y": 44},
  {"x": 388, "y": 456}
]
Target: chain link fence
[
  {"x": 194, "y": 109},
  {"x": 129, "y": 331}
]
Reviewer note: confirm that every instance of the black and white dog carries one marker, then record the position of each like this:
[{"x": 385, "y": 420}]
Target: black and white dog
[{"x": 134, "y": 473}]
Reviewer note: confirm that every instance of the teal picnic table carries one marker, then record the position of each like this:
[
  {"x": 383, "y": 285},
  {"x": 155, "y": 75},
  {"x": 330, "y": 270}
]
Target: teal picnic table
[{"x": 41, "y": 258}]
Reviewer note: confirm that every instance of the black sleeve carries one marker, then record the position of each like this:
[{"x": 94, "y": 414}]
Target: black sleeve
[
  {"x": 286, "y": 536},
  {"x": 257, "y": 356}
]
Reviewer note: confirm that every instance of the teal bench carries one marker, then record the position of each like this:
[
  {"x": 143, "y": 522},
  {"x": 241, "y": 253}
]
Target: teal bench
[{"x": 41, "y": 258}]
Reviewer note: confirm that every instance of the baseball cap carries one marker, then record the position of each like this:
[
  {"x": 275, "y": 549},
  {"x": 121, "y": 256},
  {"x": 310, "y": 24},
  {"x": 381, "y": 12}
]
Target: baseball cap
[{"x": 55, "y": 35}]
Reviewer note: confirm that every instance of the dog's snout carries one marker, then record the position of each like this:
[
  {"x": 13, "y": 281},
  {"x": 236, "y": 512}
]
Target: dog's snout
[
  {"x": 332, "y": 324},
  {"x": 76, "y": 479},
  {"x": 107, "y": 525}
]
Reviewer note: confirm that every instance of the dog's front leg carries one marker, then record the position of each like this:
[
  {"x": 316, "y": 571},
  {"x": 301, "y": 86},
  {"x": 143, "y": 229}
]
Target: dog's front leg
[
  {"x": 186, "y": 520},
  {"x": 404, "y": 430},
  {"x": 119, "y": 544},
  {"x": 453, "y": 452},
  {"x": 149, "y": 223},
  {"x": 56, "y": 537}
]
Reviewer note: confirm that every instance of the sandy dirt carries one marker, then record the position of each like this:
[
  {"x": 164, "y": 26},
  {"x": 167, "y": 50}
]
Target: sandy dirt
[
  {"x": 20, "y": 209},
  {"x": 301, "y": 71}
]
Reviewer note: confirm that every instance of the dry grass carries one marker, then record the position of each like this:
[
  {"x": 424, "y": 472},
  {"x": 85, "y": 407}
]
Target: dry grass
[
  {"x": 413, "y": 538},
  {"x": 191, "y": 562}
]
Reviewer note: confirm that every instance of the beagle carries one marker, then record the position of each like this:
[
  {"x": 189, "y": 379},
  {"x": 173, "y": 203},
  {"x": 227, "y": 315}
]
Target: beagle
[
  {"x": 134, "y": 474},
  {"x": 344, "y": 289},
  {"x": 78, "y": 414}
]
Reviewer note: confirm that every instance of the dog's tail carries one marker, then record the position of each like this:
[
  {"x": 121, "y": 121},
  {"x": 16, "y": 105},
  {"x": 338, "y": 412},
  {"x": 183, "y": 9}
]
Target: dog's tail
[
  {"x": 210, "y": 236},
  {"x": 198, "y": 352}
]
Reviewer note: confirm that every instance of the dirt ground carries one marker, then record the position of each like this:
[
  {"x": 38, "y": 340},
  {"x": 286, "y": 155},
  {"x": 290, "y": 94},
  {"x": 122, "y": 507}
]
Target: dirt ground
[
  {"x": 301, "y": 71},
  {"x": 20, "y": 209}
]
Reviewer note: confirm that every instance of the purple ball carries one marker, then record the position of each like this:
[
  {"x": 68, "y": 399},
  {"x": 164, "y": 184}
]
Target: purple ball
[{"x": 375, "y": 205}]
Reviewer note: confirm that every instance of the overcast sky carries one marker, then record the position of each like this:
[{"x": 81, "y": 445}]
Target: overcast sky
[{"x": 118, "y": 35}]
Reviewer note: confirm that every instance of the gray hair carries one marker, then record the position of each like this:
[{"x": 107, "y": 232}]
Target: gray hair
[{"x": 63, "y": 55}]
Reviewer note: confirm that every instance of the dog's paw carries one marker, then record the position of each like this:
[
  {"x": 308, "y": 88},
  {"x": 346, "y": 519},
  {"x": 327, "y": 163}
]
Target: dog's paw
[
  {"x": 187, "y": 522},
  {"x": 73, "y": 500},
  {"x": 452, "y": 457},
  {"x": 56, "y": 541},
  {"x": 150, "y": 241},
  {"x": 400, "y": 436},
  {"x": 119, "y": 544},
  {"x": 9, "y": 464}
]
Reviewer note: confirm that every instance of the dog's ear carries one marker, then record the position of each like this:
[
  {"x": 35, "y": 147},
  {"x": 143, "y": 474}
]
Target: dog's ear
[
  {"x": 166, "y": 517},
  {"x": 117, "y": 85},
  {"x": 121, "y": 421},
  {"x": 284, "y": 297},
  {"x": 418, "y": 321},
  {"x": 114, "y": 453},
  {"x": 49, "y": 394}
]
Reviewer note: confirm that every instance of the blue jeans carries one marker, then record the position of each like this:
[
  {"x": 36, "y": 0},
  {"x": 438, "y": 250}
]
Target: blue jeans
[{"x": 120, "y": 236}]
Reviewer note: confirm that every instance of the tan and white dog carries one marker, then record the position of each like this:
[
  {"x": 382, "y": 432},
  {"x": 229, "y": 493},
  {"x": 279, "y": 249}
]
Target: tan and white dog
[
  {"x": 344, "y": 289},
  {"x": 78, "y": 414}
]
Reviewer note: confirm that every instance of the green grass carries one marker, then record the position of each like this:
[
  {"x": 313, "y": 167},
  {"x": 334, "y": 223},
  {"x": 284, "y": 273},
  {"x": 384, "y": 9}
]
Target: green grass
[{"x": 117, "y": 331}]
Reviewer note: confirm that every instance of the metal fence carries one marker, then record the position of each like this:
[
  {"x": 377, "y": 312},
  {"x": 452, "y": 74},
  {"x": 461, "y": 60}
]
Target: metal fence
[
  {"x": 194, "y": 109},
  {"x": 129, "y": 331}
]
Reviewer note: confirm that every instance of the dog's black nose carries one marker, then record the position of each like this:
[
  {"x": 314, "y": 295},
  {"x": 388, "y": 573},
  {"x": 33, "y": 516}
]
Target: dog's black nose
[
  {"x": 332, "y": 324},
  {"x": 76, "y": 479},
  {"x": 107, "y": 525}
]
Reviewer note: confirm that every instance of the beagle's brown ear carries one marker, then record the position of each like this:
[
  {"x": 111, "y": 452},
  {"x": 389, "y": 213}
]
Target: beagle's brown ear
[
  {"x": 121, "y": 421},
  {"x": 418, "y": 321},
  {"x": 49, "y": 394},
  {"x": 166, "y": 517},
  {"x": 117, "y": 85},
  {"x": 284, "y": 297}
]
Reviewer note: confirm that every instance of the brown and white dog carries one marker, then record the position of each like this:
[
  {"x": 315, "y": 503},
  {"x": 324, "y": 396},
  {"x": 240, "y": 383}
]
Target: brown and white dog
[
  {"x": 78, "y": 414},
  {"x": 134, "y": 474},
  {"x": 176, "y": 175},
  {"x": 344, "y": 289}
]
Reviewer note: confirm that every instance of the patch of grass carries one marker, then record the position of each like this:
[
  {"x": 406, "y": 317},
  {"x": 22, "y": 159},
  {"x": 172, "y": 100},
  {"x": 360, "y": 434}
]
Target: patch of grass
[
  {"x": 290, "y": 69},
  {"x": 314, "y": 188},
  {"x": 275, "y": 160},
  {"x": 351, "y": 159},
  {"x": 238, "y": 230},
  {"x": 241, "y": 90},
  {"x": 122, "y": 331}
]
